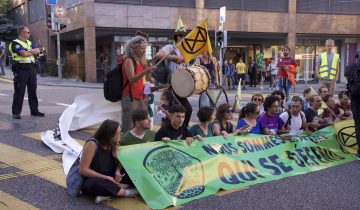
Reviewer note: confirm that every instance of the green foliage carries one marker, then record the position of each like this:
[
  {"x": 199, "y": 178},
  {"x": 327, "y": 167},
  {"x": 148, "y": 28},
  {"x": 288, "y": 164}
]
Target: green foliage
[{"x": 6, "y": 20}]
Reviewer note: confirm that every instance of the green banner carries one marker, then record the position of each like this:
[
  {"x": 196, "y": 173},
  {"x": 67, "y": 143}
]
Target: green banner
[{"x": 174, "y": 173}]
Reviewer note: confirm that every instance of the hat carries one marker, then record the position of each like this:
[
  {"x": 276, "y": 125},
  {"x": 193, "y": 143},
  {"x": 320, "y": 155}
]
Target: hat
[{"x": 180, "y": 29}]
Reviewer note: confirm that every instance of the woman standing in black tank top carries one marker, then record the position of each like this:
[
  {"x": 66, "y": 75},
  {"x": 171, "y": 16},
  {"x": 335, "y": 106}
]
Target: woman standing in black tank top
[
  {"x": 210, "y": 63},
  {"x": 99, "y": 164}
]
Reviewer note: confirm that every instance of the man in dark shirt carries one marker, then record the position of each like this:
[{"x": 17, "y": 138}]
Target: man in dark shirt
[
  {"x": 175, "y": 130},
  {"x": 312, "y": 118}
]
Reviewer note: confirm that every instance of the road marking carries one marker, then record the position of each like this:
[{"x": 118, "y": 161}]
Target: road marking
[
  {"x": 62, "y": 104},
  {"x": 10, "y": 202},
  {"x": 51, "y": 157},
  {"x": 6, "y": 80},
  {"x": 1, "y": 94},
  {"x": 58, "y": 176},
  {"x": 45, "y": 168},
  {"x": 25, "y": 98},
  {"x": 37, "y": 136},
  {"x": 226, "y": 192}
]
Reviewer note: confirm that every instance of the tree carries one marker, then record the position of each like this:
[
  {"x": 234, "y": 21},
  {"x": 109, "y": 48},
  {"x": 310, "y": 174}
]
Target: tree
[{"x": 7, "y": 26}]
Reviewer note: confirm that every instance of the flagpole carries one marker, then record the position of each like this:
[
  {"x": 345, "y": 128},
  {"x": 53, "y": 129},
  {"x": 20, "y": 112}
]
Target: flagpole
[{"x": 163, "y": 58}]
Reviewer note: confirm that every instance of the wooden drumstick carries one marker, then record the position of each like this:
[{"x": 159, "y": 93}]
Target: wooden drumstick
[{"x": 163, "y": 58}]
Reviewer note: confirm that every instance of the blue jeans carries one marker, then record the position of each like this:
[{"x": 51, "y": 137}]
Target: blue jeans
[
  {"x": 42, "y": 67},
  {"x": 285, "y": 85},
  {"x": 272, "y": 80}
]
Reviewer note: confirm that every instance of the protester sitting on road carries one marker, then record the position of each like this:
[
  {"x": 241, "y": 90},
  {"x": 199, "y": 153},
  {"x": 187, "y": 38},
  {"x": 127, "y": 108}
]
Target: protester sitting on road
[
  {"x": 175, "y": 130},
  {"x": 258, "y": 99},
  {"x": 164, "y": 107},
  {"x": 294, "y": 118},
  {"x": 271, "y": 123},
  {"x": 283, "y": 104},
  {"x": 332, "y": 113},
  {"x": 141, "y": 132},
  {"x": 344, "y": 104},
  {"x": 133, "y": 74},
  {"x": 323, "y": 91},
  {"x": 206, "y": 117},
  {"x": 313, "y": 121},
  {"x": 99, "y": 164},
  {"x": 306, "y": 95},
  {"x": 248, "y": 122},
  {"x": 222, "y": 124}
]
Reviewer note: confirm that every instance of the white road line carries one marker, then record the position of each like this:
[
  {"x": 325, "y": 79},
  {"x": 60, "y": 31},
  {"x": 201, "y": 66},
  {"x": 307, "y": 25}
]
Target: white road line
[
  {"x": 1, "y": 94},
  {"x": 62, "y": 104},
  {"x": 28, "y": 99}
]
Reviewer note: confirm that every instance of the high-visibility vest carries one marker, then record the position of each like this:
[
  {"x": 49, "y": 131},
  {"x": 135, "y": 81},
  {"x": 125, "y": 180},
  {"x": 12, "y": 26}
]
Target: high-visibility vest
[
  {"x": 325, "y": 72},
  {"x": 20, "y": 59}
]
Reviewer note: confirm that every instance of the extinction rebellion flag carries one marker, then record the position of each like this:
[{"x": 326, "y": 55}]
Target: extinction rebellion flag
[{"x": 195, "y": 43}]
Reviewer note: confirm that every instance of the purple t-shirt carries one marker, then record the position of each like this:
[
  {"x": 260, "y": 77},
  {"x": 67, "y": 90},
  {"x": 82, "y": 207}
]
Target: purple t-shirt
[{"x": 273, "y": 123}]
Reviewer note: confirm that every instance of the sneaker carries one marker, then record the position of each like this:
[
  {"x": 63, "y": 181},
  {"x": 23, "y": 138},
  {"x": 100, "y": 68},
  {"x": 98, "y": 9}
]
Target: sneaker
[
  {"x": 357, "y": 156},
  {"x": 100, "y": 199}
]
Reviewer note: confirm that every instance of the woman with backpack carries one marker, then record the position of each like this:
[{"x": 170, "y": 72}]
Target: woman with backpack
[
  {"x": 100, "y": 167},
  {"x": 133, "y": 79}
]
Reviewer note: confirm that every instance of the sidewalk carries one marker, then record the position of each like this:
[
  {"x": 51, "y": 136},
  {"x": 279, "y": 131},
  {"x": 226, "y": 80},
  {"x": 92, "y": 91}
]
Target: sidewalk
[{"x": 54, "y": 81}]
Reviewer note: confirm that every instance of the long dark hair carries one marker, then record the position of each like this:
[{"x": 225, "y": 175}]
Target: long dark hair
[
  {"x": 221, "y": 111},
  {"x": 249, "y": 108},
  {"x": 106, "y": 132}
]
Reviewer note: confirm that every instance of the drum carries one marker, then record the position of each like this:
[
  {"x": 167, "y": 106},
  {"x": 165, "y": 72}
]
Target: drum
[{"x": 190, "y": 80}]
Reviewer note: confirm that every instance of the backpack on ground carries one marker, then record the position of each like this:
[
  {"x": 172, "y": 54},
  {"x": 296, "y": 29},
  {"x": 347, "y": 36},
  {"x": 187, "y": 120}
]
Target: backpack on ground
[
  {"x": 113, "y": 83},
  {"x": 74, "y": 180}
]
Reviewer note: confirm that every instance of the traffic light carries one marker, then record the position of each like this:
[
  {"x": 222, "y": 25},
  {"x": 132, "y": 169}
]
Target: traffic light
[
  {"x": 219, "y": 38},
  {"x": 50, "y": 21}
]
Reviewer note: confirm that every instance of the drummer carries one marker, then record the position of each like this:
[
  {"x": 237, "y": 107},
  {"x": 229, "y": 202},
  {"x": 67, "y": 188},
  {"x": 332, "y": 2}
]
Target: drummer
[{"x": 173, "y": 62}]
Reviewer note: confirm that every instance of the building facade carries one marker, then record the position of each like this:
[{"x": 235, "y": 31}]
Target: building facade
[{"x": 98, "y": 29}]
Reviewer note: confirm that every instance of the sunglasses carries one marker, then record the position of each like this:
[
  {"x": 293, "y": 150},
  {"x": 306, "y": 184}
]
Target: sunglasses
[
  {"x": 229, "y": 111},
  {"x": 257, "y": 99}
]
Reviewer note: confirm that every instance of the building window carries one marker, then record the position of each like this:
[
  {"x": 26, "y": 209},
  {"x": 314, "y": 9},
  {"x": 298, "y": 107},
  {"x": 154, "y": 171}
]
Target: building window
[
  {"x": 36, "y": 10},
  {"x": 250, "y": 5},
  {"x": 328, "y": 6}
]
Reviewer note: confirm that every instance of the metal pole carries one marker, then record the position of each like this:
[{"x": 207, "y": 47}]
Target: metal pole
[
  {"x": 221, "y": 56},
  {"x": 58, "y": 52}
]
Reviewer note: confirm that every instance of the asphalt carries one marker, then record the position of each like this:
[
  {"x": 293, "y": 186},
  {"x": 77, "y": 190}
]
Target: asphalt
[
  {"x": 66, "y": 82},
  {"x": 331, "y": 188}
]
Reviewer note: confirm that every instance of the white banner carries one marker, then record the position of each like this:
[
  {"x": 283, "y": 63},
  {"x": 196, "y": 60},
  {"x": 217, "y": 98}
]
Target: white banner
[{"x": 86, "y": 111}]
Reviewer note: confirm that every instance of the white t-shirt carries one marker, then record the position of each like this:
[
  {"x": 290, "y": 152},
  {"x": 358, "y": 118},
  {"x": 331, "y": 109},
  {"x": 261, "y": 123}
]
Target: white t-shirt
[
  {"x": 295, "y": 121},
  {"x": 171, "y": 65}
]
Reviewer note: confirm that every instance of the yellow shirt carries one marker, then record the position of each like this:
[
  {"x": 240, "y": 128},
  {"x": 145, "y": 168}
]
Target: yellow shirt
[{"x": 240, "y": 68}]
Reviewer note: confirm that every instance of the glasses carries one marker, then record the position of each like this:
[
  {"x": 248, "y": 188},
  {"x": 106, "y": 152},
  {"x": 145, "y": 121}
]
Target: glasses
[
  {"x": 257, "y": 99},
  {"x": 229, "y": 111}
]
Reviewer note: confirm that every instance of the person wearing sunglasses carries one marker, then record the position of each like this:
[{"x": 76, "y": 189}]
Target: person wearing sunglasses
[
  {"x": 258, "y": 99},
  {"x": 248, "y": 122},
  {"x": 24, "y": 52},
  {"x": 271, "y": 123},
  {"x": 222, "y": 124}
]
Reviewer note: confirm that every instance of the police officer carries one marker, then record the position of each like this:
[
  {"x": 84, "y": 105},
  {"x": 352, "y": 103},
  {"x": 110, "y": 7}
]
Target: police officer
[
  {"x": 352, "y": 74},
  {"x": 23, "y": 53}
]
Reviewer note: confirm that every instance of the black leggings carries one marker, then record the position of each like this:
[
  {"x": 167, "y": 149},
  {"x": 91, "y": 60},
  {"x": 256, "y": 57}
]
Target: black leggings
[{"x": 100, "y": 187}]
